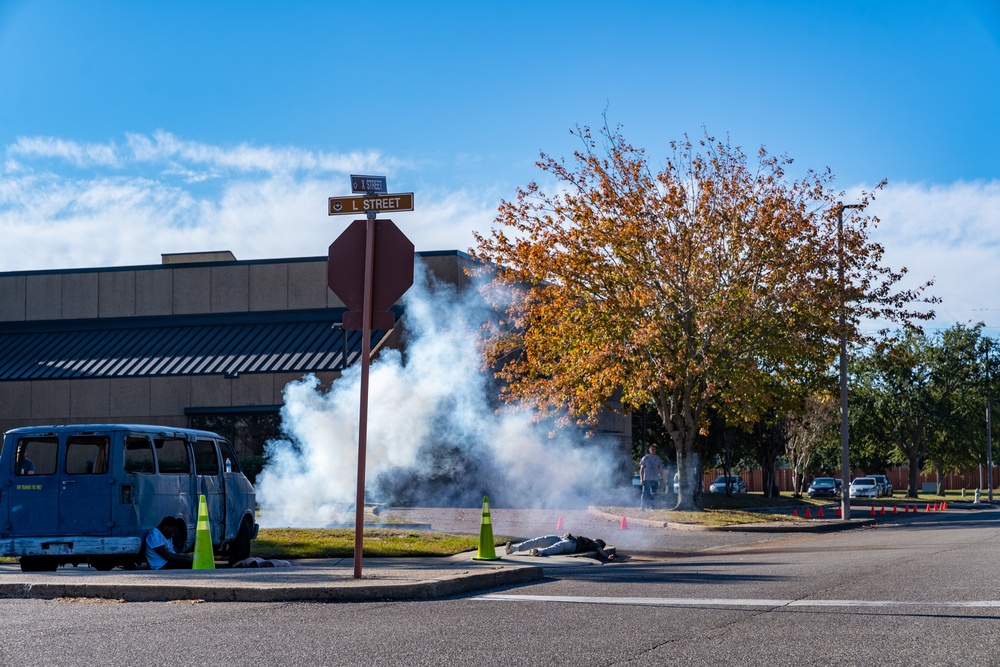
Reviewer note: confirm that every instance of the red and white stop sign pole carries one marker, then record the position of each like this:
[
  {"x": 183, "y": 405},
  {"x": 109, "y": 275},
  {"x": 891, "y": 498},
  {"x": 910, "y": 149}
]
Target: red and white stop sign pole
[
  {"x": 366, "y": 348},
  {"x": 379, "y": 289}
]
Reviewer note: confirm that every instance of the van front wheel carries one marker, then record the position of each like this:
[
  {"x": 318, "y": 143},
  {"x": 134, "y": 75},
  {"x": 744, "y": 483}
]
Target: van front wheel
[{"x": 239, "y": 548}]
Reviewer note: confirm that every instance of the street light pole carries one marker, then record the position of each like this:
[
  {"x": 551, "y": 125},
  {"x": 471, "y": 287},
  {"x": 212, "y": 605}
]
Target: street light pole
[
  {"x": 989, "y": 422},
  {"x": 845, "y": 459}
]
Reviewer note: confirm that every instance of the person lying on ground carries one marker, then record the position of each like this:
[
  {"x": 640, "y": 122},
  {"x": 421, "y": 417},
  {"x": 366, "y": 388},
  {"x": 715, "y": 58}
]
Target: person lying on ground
[
  {"x": 160, "y": 552},
  {"x": 552, "y": 545}
]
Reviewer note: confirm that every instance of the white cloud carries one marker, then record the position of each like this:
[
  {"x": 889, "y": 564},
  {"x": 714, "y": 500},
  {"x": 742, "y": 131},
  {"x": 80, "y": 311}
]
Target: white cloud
[
  {"x": 159, "y": 194},
  {"x": 77, "y": 154},
  {"x": 950, "y": 233}
]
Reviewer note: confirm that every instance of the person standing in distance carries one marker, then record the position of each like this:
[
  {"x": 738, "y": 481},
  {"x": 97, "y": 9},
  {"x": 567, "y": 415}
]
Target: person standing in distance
[{"x": 650, "y": 474}]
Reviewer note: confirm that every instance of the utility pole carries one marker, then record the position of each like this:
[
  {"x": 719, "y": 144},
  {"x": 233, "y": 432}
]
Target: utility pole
[{"x": 845, "y": 459}]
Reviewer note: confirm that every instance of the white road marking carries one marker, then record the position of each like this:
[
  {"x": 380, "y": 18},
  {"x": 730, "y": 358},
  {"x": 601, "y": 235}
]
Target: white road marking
[{"x": 739, "y": 602}]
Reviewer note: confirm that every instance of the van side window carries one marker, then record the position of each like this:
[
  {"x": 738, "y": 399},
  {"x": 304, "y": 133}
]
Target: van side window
[
  {"x": 138, "y": 455},
  {"x": 87, "y": 455},
  {"x": 206, "y": 462},
  {"x": 36, "y": 456},
  {"x": 228, "y": 453},
  {"x": 173, "y": 456}
]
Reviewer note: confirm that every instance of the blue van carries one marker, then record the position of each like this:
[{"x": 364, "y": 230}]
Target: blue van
[{"x": 89, "y": 493}]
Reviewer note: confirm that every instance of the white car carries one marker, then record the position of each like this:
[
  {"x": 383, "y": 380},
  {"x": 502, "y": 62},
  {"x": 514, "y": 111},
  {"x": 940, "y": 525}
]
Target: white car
[{"x": 864, "y": 487}]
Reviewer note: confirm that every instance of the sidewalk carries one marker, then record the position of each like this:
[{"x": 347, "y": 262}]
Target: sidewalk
[{"x": 319, "y": 580}]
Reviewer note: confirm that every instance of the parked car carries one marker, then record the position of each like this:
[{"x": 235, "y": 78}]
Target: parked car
[
  {"x": 735, "y": 483},
  {"x": 864, "y": 487},
  {"x": 824, "y": 487},
  {"x": 884, "y": 485}
]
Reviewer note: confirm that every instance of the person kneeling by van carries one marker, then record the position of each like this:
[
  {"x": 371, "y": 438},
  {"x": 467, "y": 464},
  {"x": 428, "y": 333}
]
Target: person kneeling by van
[{"x": 160, "y": 552}]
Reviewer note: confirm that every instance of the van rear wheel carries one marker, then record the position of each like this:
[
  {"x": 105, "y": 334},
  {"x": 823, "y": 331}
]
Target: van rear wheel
[
  {"x": 239, "y": 548},
  {"x": 39, "y": 564}
]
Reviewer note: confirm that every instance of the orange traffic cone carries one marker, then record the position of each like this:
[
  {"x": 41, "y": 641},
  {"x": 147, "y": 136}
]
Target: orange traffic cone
[
  {"x": 944, "y": 505},
  {"x": 840, "y": 512},
  {"x": 873, "y": 510},
  {"x": 808, "y": 515},
  {"x": 895, "y": 510},
  {"x": 928, "y": 507},
  {"x": 819, "y": 512},
  {"x": 795, "y": 513},
  {"x": 559, "y": 524},
  {"x": 883, "y": 510},
  {"x": 624, "y": 525}
]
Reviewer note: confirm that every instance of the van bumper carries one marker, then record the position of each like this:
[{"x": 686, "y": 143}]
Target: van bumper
[{"x": 69, "y": 546}]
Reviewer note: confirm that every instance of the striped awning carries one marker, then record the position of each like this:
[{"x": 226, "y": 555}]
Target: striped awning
[{"x": 300, "y": 341}]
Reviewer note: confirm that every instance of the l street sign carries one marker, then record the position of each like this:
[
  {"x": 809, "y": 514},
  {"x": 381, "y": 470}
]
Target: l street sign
[{"x": 402, "y": 201}]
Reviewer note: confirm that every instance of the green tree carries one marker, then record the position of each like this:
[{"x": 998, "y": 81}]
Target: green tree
[
  {"x": 711, "y": 283},
  {"x": 917, "y": 393}
]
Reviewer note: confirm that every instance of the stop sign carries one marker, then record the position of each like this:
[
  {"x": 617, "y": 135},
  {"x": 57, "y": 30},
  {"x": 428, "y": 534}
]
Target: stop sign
[{"x": 392, "y": 273}]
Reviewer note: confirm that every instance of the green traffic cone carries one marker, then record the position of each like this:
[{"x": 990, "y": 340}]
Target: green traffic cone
[
  {"x": 487, "y": 550},
  {"x": 204, "y": 558}
]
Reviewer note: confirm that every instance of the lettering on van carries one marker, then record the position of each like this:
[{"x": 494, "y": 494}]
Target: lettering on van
[{"x": 28, "y": 487}]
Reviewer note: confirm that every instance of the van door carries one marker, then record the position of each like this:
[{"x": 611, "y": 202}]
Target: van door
[
  {"x": 175, "y": 487},
  {"x": 206, "y": 464},
  {"x": 34, "y": 490},
  {"x": 85, "y": 486}
]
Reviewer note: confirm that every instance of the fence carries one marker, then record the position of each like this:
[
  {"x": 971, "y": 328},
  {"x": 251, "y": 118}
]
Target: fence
[{"x": 899, "y": 477}]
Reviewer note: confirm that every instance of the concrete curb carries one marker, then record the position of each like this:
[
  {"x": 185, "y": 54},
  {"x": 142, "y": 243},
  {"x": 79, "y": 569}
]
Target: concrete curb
[{"x": 422, "y": 587}]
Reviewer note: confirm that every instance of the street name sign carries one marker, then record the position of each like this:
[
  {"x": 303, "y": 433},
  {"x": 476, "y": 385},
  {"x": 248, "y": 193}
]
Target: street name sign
[
  {"x": 402, "y": 201},
  {"x": 368, "y": 184}
]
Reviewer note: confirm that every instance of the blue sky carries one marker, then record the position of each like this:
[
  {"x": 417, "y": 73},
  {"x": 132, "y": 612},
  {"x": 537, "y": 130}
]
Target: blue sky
[{"x": 130, "y": 129}]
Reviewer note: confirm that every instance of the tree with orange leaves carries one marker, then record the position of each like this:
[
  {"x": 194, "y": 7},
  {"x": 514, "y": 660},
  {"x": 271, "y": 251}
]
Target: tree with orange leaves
[{"x": 710, "y": 283}]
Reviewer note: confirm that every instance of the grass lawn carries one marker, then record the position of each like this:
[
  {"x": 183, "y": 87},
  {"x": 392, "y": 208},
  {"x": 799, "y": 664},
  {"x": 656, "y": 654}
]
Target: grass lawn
[{"x": 289, "y": 543}]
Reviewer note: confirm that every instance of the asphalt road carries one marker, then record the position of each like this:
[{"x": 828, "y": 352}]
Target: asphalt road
[{"x": 920, "y": 591}]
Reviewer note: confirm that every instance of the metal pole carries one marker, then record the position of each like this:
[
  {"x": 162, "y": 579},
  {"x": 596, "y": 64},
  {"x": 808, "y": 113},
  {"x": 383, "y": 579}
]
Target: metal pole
[
  {"x": 366, "y": 344},
  {"x": 989, "y": 425},
  {"x": 845, "y": 459}
]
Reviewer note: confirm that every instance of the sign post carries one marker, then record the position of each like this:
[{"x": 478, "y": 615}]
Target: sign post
[{"x": 386, "y": 274}]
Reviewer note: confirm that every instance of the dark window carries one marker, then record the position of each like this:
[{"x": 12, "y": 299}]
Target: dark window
[
  {"x": 87, "y": 455},
  {"x": 36, "y": 456},
  {"x": 206, "y": 461},
  {"x": 173, "y": 456},
  {"x": 138, "y": 455},
  {"x": 247, "y": 431}
]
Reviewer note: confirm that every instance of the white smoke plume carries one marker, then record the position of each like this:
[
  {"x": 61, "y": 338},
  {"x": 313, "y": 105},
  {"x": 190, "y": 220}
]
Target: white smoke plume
[{"x": 436, "y": 434}]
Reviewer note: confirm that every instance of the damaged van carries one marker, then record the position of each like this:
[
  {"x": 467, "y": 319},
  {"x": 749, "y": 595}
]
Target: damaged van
[{"x": 89, "y": 493}]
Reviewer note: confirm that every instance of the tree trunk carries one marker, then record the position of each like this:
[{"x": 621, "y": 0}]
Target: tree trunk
[
  {"x": 939, "y": 478},
  {"x": 913, "y": 477}
]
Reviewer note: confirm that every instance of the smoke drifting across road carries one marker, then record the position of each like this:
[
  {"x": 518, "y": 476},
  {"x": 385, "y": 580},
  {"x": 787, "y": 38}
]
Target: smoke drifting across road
[{"x": 436, "y": 435}]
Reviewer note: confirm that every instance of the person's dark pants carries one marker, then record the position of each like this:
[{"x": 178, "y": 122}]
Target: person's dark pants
[{"x": 648, "y": 494}]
